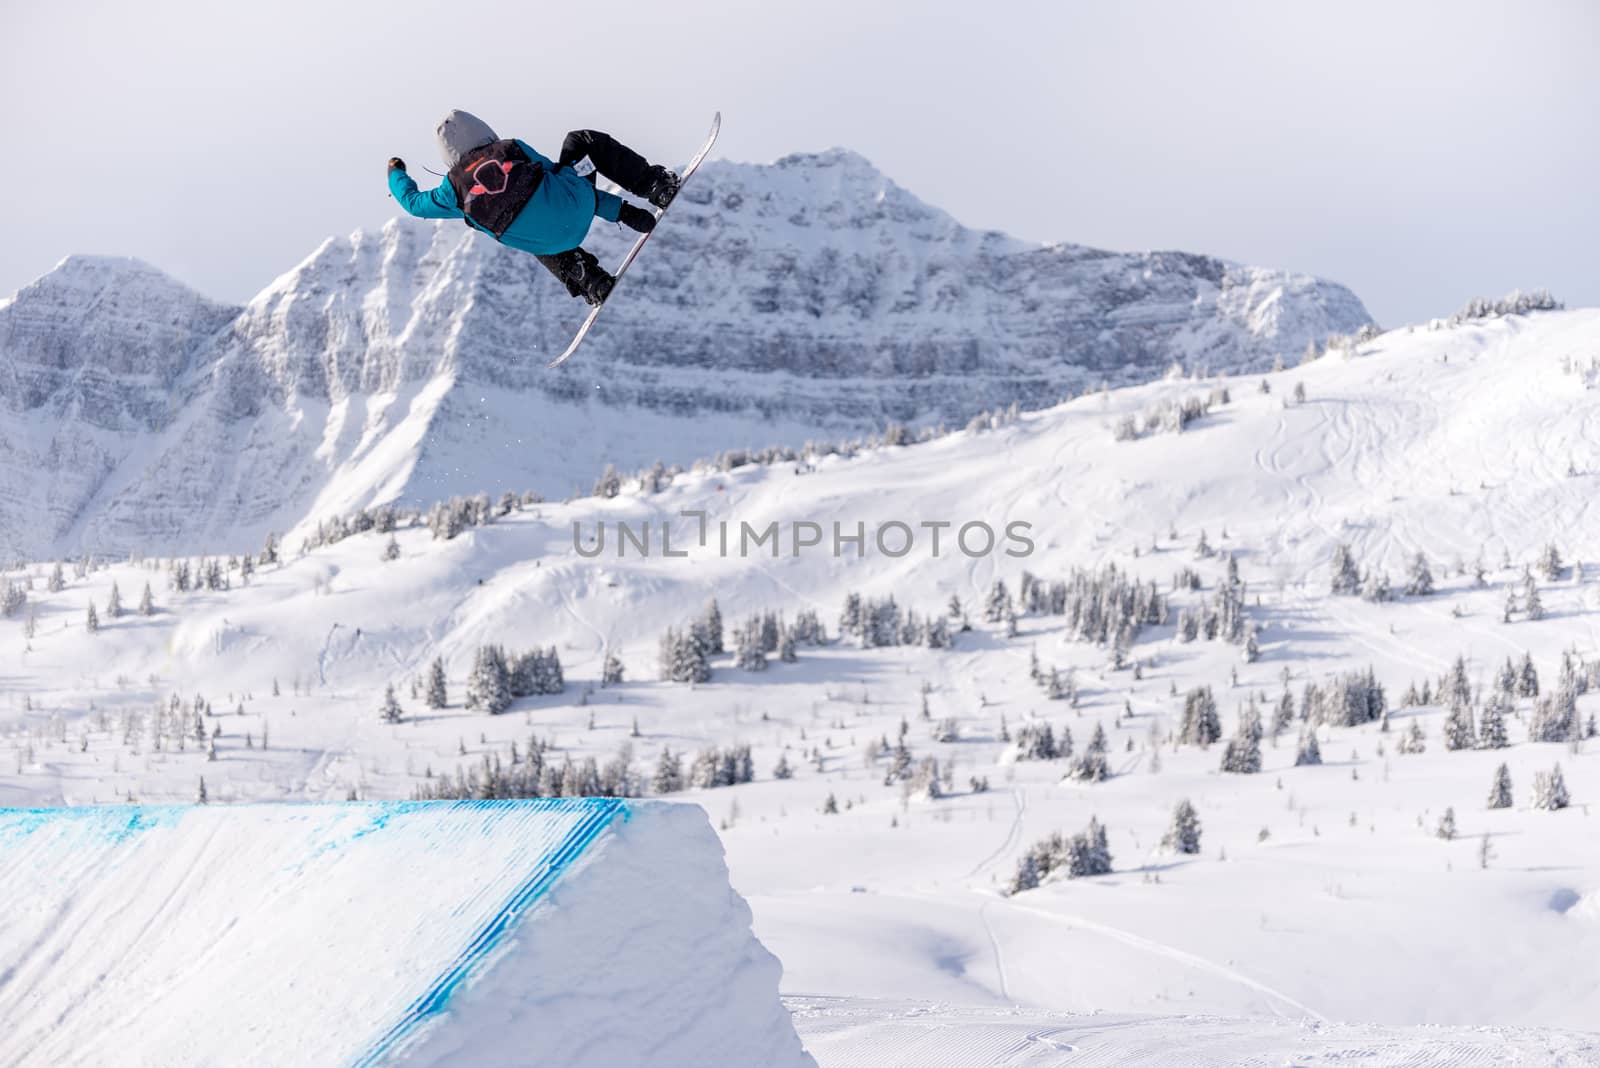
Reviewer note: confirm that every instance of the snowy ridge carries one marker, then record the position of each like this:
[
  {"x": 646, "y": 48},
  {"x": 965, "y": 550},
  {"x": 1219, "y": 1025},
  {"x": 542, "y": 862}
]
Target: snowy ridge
[
  {"x": 807, "y": 298},
  {"x": 375, "y": 934}
]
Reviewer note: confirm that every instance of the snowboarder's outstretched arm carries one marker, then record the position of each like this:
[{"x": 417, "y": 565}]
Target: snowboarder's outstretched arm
[{"x": 438, "y": 203}]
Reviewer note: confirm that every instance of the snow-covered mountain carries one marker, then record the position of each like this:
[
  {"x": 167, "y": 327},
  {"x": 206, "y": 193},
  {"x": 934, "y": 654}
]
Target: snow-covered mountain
[{"x": 812, "y": 297}]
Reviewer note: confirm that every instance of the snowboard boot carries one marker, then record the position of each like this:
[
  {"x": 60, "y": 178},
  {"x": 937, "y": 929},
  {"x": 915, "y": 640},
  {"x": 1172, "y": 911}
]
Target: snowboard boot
[
  {"x": 582, "y": 274},
  {"x": 636, "y": 218},
  {"x": 662, "y": 187}
]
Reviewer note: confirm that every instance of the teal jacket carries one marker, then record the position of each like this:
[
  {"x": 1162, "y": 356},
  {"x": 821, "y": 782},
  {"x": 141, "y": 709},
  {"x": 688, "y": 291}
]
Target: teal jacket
[{"x": 555, "y": 220}]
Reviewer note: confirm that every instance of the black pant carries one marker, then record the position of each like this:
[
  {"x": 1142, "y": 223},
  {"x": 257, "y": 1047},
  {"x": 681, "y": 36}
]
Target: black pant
[
  {"x": 619, "y": 164},
  {"x": 614, "y": 160}
]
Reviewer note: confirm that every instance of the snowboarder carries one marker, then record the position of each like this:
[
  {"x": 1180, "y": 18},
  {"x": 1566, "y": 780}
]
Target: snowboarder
[{"x": 504, "y": 188}]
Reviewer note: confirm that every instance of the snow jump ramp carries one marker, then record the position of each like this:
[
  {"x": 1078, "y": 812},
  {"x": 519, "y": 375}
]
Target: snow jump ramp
[{"x": 550, "y": 933}]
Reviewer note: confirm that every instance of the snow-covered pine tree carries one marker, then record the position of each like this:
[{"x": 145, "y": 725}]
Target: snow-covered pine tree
[
  {"x": 1550, "y": 790},
  {"x": 1500, "y": 788},
  {"x": 1036, "y": 741},
  {"x": 1555, "y": 717},
  {"x": 391, "y": 548},
  {"x": 1027, "y": 875},
  {"x": 147, "y": 604},
  {"x": 830, "y": 807},
  {"x": 1089, "y": 853},
  {"x": 1458, "y": 727},
  {"x": 390, "y": 711},
  {"x": 92, "y": 621},
  {"x": 1200, "y": 724},
  {"x": 1531, "y": 602},
  {"x": 748, "y": 651},
  {"x": 1091, "y": 764},
  {"x": 609, "y": 484},
  {"x": 1413, "y": 741},
  {"x": 1550, "y": 565},
  {"x": 1447, "y": 825},
  {"x": 488, "y": 687},
  {"x": 1183, "y": 836},
  {"x": 783, "y": 769},
  {"x": 435, "y": 694},
  {"x": 1492, "y": 723},
  {"x": 998, "y": 606},
  {"x": 1308, "y": 753},
  {"x": 1283, "y": 713},
  {"x": 611, "y": 672},
  {"x": 1527, "y": 678},
  {"x": 1242, "y": 756},
  {"x": 114, "y": 603},
  {"x": 57, "y": 580},
  {"x": 1419, "y": 582},
  {"x": 668, "y": 778},
  {"x": 711, "y": 624},
  {"x": 1506, "y": 681},
  {"x": 1346, "y": 578}
]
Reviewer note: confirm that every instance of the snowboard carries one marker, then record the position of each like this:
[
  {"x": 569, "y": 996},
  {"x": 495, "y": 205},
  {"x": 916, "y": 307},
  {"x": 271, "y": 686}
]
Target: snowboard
[{"x": 684, "y": 176}]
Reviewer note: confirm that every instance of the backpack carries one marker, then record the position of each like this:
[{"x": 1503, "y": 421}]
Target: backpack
[{"x": 494, "y": 183}]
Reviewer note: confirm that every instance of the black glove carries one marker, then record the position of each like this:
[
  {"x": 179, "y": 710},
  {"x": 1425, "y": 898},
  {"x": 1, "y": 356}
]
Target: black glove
[{"x": 396, "y": 163}]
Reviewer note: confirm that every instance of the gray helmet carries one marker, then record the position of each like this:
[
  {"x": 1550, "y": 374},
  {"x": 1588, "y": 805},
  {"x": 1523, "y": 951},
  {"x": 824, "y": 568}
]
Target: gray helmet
[{"x": 459, "y": 133}]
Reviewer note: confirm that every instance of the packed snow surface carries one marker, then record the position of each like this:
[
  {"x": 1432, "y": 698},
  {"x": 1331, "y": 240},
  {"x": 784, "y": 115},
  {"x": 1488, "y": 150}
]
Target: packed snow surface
[{"x": 385, "y": 933}]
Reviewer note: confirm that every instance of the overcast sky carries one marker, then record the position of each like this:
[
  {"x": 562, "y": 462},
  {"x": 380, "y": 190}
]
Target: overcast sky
[{"x": 1421, "y": 153}]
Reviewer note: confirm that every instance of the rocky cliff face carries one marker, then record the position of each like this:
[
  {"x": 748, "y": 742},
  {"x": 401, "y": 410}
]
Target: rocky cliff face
[{"x": 811, "y": 297}]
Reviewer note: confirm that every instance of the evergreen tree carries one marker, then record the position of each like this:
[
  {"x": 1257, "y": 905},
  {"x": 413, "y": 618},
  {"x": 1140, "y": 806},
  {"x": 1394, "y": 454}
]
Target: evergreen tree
[
  {"x": 57, "y": 580},
  {"x": 782, "y": 769},
  {"x": 998, "y": 606},
  {"x": 830, "y": 807},
  {"x": 1200, "y": 725},
  {"x": 611, "y": 673},
  {"x": 1283, "y": 713},
  {"x": 434, "y": 695},
  {"x": 390, "y": 711},
  {"x": 1458, "y": 728},
  {"x": 668, "y": 778},
  {"x": 1419, "y": 583},
  {"x": 1500, "y": 789},
  {"x": 1550, "y": 790},
  {"x": 1527, "y": 678},
  {"x": 1507, "y": 679},
  {"x": 1492, "y": 723},
  {"x": 114, "y": 603},
  {"x": 93, "y": 620},
  {"x": 1447, "y": 825},
  {"x": 200, "y": 796},
  {"x": 1346, "y": 578},
  {"x": 711, "y": 621},
  {"x": 1036, "y": 741},
  {"x": 1183, "y": 836},
  {"x": 1089, "y": 853},
  {"x": 1550, "y": 565},
  {"x": 1091, "y": 765},
  {"x": 1531, "y": 602},
  {"x": 1308, "y": 754},
  {"x": 748, "y": 651},
  {"x": 1027, "y": 876},
  {"x": 1242, "y": 755},
  {"x": 488, "y": 685},
  {"x": 147, "y": 605},
  {"x": 1413, "y": 741},
  {"x": 391, "y": 548},
  {"x": 1555, "y": 717}
]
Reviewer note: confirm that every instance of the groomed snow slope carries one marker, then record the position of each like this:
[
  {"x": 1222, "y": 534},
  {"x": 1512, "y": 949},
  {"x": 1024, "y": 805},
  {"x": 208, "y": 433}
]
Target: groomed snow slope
[{"x": 576, "y": 933}]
